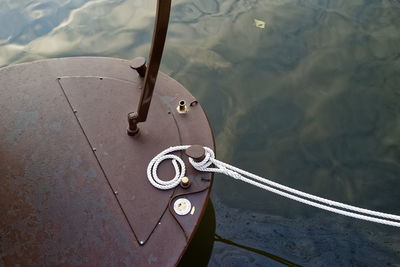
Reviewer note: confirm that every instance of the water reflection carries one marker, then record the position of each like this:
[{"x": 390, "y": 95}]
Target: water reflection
[
  {"x": 311, "y": 100},
  {"x": 69, "y": 28},
  {"x": 316, "y": 241}
]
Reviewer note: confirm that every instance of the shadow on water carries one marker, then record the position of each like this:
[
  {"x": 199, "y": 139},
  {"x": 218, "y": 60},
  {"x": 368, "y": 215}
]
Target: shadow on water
[{"x": 254, "y": 250}]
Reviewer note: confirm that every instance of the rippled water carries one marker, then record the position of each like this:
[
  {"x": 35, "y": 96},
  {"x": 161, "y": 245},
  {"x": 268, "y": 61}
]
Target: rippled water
[{"x": 311, "y": 100}]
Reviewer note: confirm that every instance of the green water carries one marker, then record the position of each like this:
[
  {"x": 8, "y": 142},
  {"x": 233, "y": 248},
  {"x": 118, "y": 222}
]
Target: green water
[{"x": 311, "y": 100}]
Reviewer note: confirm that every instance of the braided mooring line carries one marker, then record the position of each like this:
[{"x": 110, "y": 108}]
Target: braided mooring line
[{"x": 260, "y": 182}]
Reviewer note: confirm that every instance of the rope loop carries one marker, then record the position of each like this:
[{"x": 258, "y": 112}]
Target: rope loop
[{"x": 177, "y": 162}]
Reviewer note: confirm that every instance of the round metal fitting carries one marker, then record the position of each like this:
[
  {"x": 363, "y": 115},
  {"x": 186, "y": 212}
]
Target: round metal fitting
[
  {"x": 182, "y": 108},
  {"x": 182, "y": 206},
  {"x": 196, "y": 152},
  {"x": 185, "y": 182},
  {"x": 139, "y": 64}
]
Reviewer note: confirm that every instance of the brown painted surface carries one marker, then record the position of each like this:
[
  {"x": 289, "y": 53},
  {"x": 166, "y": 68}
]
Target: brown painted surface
[{"x": 65, "y": 203}]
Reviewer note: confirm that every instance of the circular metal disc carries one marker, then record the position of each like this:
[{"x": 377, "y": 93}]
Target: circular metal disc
[
  {"x": 182, "y": 206},
  {"x": 73, "y": 183}
]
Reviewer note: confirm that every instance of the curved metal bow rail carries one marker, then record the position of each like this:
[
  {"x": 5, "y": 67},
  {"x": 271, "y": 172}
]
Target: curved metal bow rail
[{"x": 150, "y": 73}]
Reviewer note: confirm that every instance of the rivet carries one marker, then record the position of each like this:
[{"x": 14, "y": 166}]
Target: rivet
[
  {"x": 141, "y": 242},
  {"x": 116, "y": 192},
  {"x": 75, "y": 111},
  {"x": 94, "y": 149}
]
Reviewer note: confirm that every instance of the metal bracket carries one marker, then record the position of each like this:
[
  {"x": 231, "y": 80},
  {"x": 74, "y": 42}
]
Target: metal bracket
[{"x": 151, "y": 72}]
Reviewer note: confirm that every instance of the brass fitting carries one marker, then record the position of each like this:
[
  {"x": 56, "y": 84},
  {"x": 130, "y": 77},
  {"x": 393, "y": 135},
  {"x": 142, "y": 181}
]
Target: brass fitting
[
  {"x": 185, "y": 182},
  {"x": 182, "y": 108}
]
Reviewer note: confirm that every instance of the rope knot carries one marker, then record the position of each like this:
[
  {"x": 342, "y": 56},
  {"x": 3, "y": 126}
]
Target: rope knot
[{"x": 206, "y": 162}]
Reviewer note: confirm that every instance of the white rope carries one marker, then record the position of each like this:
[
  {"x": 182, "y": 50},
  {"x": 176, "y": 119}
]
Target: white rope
[
  {"x": 179, "y": 169},
  {"x": 263, "y": 183}
]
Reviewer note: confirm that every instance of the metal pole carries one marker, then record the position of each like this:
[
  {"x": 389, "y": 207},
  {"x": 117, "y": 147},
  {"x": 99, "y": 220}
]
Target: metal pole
[{"x": 157, "y": 48}]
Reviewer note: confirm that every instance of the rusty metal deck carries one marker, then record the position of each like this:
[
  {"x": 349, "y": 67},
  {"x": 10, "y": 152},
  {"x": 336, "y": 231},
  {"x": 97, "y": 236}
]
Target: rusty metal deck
[{"x": 73, "y": 188}]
